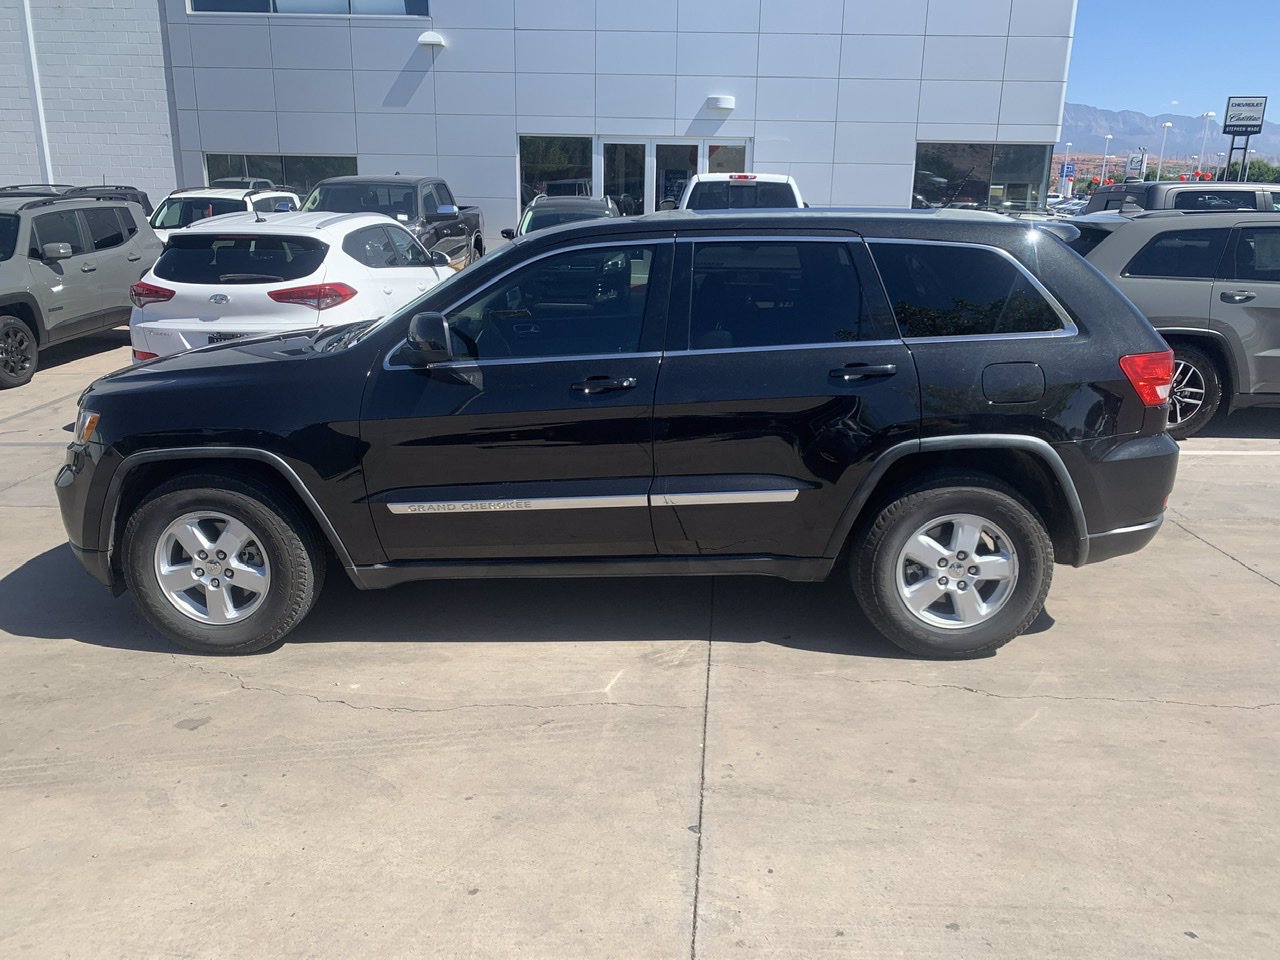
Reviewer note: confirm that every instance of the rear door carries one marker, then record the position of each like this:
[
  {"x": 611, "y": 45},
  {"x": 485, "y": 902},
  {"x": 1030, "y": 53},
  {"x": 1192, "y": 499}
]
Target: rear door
[
  {"x": 1247, "y": 301},
  {"x": 1170, "y": 276},
  {"x": 115, "y": 271},
  {"x": 782, "y": 383}
]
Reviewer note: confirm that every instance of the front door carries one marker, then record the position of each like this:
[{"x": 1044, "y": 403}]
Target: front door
[
  {"x": 676, "y": 165},
  {"x": 1247, "y": 301},
  {"x": 536, "y": 441},
  {"x": 784, "y": 381},
  {"x": 67, "y": 289}
]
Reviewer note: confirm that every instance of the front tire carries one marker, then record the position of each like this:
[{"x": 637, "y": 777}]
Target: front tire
[
  {"x": 953, "y": 569},
  {"x": 221, "y": 565},
  {"x": 19, "y": 353},
  {"x": 1196, "y": 393}
]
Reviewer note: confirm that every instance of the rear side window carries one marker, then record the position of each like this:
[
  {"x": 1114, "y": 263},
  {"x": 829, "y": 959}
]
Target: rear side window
[
  {"x": 735, "y": 195},
  {"x": 219, "y": 258},
  {"x": 1257, "y": 255},
  {"x": 1215, "y": 200},
  {"x": 126, "y": 219},
  {"x": 1180, "y": 255},
  {"x": 183, "y": 211},
  {"x": 1089, "y": 238},
  {"x": 370, "y": 246},
  {"x": 1275, "y": 200},
  {"x": 394, "y": 200},
  {"x": 942, "y": 290},
  {"x": 776, "y": 293},
  {"x": 61, "y": 227},
  {"x": 104, "y": 228}
]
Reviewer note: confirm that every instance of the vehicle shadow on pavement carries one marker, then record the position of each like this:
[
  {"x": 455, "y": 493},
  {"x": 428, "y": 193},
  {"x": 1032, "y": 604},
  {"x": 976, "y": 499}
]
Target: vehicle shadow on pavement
[
  {"x": 1259, "y": 423},
  {"x": 51, "y": 597},
  {"x": 81, "y": 347}
]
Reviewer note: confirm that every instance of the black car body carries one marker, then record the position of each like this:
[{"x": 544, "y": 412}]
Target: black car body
[
  {"x": 671, "y": 394},
  {"x": 425, "y": 205}
]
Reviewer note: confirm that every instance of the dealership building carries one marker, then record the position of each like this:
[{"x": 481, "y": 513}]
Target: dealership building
[{"x": 864, "y": 102}]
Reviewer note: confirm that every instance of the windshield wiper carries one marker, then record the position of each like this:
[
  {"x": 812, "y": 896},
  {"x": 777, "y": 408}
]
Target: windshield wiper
[{"x": 243, "y": 277}]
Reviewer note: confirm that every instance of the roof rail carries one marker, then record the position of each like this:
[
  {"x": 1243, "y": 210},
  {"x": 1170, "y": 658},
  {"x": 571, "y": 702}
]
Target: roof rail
[
  {"x": 25, "y": 187},
  {"x": 45, "y": 200},
  {"x": 101, "y": 186}
]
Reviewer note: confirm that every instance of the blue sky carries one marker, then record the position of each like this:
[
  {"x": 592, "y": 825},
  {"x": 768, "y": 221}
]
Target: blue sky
[{"x": 1176, "y": 57}]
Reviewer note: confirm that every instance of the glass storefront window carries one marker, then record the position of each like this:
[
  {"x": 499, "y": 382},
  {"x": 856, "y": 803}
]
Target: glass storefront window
[
  {"x": 677, "y": 163},
  {"x": 624, "y": 176},
  {"x": 555, "y": 166},
  {"x": 726, "y": 158},
  {"x": 297, "y": 173},
  {"x": 383, "y": 8},
  {"x": 999, "y": 176}
]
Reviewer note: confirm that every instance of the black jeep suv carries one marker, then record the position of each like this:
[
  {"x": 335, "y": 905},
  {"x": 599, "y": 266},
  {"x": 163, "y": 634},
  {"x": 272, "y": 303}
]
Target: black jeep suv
[{"x": 951, "y": 401}]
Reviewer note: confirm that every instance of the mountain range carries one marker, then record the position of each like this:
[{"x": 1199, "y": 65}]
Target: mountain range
[{"x": 1084, "y": 128}]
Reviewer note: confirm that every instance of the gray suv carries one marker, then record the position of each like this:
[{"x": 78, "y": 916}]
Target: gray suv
[
  {"x": 1207, "y": 196},
  {"x": 1210, "y": 283},
  {"x": 66, "y": 265}
]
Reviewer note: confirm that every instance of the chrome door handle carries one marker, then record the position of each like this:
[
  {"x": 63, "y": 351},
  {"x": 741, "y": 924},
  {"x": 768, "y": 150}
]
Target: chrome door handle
[
  {"x": 861, "y": 371},
  {"x": 87, "y": 268},
  {"x": 1236, "y": 296},
  {"x": 604, "y": 384}
]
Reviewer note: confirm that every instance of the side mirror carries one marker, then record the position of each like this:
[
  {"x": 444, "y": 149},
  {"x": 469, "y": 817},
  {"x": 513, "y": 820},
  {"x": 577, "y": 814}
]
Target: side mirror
[
  {"x": 668, "y": 204},
  {"x": 56, "y": 251},
  {"x": 428, "y": 341},
  {"x": 285, "y": 206},
  {"x": 446, "y": 210},
  {"x": 508, "y": 233},
  {"x": 438, "y": 259}
]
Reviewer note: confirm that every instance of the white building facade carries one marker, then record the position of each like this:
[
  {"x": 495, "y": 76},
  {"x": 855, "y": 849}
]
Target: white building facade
[{"x": 864, "y": 102}]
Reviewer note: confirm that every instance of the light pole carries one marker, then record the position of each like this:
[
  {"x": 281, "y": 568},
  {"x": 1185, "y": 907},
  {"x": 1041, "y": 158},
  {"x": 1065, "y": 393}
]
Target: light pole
[
  {"x": 1204, "y": 137},
  {"x": 1164, "y": 135},
  {"x": 1195, "y": 165},
  {"x": 1245, "y": 178},
  {"x": 1106, "y": 151},
  {"x": 1218, "y": 174}
]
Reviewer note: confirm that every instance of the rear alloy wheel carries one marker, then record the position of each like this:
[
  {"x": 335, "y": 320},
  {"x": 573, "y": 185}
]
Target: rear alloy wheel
[
  {"x": 221, "y": 565},
  {"x": 954, "y": 569},
  {"x": 1196, "y": 393},
  {"x": 18, "y": 352}
]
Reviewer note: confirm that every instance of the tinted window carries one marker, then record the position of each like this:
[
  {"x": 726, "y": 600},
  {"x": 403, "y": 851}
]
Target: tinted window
[
  {"x": 61, "y": 227},
  {"x": 8, "y": 235},
  {"x": 1089, "y": 238},
  {"x": 370, "y": 246},
  {"x": 1257, "y": 254},
  {"x": 445, "y": 197},
  {"x": 1275, "y": 200},
  {"x": 392, "y": 199},
  {"x": 734, "y": 195},
  {"x": 1215, "y": 200},
  {"x": 268, "y": 204},
  {"x": 104, "y": 228},
  {"x": 183, "y": 211},
  {"x": 541, "y": 219},
  {"x": 776, "y": 293},
  {"x": 214, "y": 258},
  {"x": 959, "y": 291},
  {"x": 1179, "y": 254},
  {"x": 126, "y": 218},
  {"x": 409, "y": 252},
  {"x": 578, "y": 303}
]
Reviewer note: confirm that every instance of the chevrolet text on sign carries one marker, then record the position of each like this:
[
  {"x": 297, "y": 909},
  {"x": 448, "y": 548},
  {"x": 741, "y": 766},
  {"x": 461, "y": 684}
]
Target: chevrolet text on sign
[{"x": 1243, "y": 117}]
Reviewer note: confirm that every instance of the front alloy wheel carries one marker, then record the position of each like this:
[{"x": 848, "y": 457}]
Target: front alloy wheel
[
  {"x": 17, "y": 352},
  {"x": 211, "y": 568}
]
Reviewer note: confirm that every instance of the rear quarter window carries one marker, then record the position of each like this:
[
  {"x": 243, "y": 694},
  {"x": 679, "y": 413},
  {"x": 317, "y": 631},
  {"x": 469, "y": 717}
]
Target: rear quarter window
[
  {"x": 1179, "y": 255},
  {"x": 1215, "y": 200},
  {"x": 1089, "y": 238},
  {"x": 227, "y": 258}
]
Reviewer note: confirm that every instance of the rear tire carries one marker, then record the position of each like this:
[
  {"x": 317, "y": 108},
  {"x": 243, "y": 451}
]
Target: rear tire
[
  {"x": 952, "y": 612},
  {"x": 1196, "y": 393},
  {"x": 240, "y": 600},
  {"x": 19, "y": 352}
]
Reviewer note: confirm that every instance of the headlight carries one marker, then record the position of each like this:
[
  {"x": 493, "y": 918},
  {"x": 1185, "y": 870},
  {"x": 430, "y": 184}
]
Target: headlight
[{"x": 86, "y": 424}]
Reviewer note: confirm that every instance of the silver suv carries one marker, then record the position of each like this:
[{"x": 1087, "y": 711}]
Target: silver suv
[
  {"x": 66, "y": 265},
  {"x": 1210, "y": 283}
]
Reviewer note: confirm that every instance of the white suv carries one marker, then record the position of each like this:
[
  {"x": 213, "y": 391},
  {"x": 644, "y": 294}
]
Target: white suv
[
  {"x": 185, "y": 207},
  {"x": 243, "y": 274}
]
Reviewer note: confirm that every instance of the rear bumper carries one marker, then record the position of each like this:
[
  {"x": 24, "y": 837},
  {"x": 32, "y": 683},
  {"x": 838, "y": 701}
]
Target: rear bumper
[
  {"x": 1116, "y": 543},
  {"x": 170, "y": 336}
]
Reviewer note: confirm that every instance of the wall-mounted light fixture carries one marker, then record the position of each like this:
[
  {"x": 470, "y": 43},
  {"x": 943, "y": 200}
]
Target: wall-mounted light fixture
[
  {"x": 430, "y": 38},
  {"x": 721, "y": 102}
]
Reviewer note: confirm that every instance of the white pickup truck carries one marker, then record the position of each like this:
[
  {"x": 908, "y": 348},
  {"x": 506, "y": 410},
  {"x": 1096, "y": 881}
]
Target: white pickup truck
[{"x": 741, "y": 191}]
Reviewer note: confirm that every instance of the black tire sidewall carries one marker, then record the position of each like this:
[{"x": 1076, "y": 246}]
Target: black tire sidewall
[
  {"x": 876, "y": 574},
  {"x": 1208, "y": 370},
  {"x": 293, "y": 578},
  {"x": 7, "y": 381}
]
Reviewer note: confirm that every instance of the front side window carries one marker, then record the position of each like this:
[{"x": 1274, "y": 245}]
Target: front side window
[
  {"x": 1180, "y": 255},
  {"x": 1257, "y": 255},
  {"x": 371, "y": 247},
  {"x": 215, "y": 258},
  {"x": 579, "y": 303},
  {"x": 409, "y": 252},
  {"x": 104, "y": 228},
  {"x": 1215, "y": 200},
  {"x": 178, "y": 212},
  {"x": 61, "y": 227},
  {"x": 776, "y": 293},
  {"x": 947, "y": 290}
]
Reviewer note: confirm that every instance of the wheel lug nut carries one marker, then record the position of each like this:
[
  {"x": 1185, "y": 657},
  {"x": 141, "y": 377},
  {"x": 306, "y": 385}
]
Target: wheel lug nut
[
  {"x": 199, "y": 571},
  {"x": 227, "y": 574},
  {"x": 215, "y": 583},
  {"x": 973, "y": 571},
  {"x": 962, "y": 555},
  {"x": 959, "y": 586},
  {"x": 942, "y": 562},
  {"x": 943, "y": 581},
  {"x": 221, "y": 555},
  {"x": 202, "y": 555}
]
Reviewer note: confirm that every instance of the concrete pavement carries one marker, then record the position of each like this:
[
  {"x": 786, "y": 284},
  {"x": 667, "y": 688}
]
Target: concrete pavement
[{"x": 648, "y": 768}]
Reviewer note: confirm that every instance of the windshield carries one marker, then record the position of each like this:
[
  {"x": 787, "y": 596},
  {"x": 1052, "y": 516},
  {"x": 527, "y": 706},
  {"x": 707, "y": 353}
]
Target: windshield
[
  {"x": 740, "y": 194},
  {"x": 395, "y": 200},
  {"x": 541, "y": 219},
  {"x": 8, "y": 235},
  {"x": 226, "y": 258},
  {"x": 178, "y": 212}
]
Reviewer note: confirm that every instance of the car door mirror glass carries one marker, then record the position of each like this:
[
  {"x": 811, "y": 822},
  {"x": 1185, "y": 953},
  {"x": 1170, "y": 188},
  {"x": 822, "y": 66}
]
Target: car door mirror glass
[
  {"x": 56, "y": 251},
  {"x": 668, "y": 204},
  {"x": 428, "y": 341},
  {"x": 285, "y": 206},
  {"x": 438, "y": 259},
  {"x": 446, "y": 210}
]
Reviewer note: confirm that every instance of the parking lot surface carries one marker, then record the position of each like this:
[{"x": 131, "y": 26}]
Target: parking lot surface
[{"x": 645, "y": 768}]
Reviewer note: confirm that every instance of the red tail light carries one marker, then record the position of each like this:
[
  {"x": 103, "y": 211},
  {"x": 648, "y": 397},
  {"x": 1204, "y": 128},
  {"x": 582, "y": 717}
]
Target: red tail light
[
  {"x": 319, "y": 296},
  {"x": 142, "y": 293},
  {"x": 1151, "y": 375},
  {"x": 141, "y": 355}
]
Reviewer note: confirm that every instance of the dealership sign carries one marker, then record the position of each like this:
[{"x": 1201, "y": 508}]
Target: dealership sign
[{"x": 1244, "y": 116}]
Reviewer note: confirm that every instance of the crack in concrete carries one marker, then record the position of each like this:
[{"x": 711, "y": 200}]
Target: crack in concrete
[
  {"x": 396, "y": 708},
  {"x": 1183, "y": 527}
]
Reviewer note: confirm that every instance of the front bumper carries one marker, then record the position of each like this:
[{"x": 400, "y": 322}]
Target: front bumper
[{"x": 80, "y": 500}]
